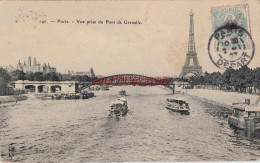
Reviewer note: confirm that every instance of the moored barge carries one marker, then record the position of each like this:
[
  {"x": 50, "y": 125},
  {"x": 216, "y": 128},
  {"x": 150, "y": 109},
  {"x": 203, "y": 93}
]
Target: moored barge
[{"x": 245, "y": 116}]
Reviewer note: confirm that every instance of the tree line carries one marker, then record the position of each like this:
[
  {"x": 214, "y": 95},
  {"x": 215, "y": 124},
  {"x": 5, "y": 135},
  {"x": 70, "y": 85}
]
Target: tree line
[
  {"x": 239, "y": 80},
  {"x": 39, "y": 76}
]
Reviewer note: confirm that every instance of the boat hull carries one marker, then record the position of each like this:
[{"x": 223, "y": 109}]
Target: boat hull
[
  {"x": 182, "y": 111},
  {"x": 237, "y": 122},
  {"x": 118, "y": 113},
  {"x": 244, "y": 123},
  {"x": 123, "y": 113}
]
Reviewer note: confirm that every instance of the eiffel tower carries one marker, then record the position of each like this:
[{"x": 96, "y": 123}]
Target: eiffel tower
[{"x": 188, "y": 67}]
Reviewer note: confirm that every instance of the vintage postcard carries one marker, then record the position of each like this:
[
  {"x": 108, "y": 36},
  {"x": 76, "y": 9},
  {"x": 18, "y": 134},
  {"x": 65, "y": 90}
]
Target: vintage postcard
[{"x": 129, "y": 81}]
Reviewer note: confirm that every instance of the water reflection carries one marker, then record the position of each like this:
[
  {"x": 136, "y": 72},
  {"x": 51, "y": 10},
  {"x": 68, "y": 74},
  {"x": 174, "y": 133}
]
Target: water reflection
[{"x": 246, "y": 134}]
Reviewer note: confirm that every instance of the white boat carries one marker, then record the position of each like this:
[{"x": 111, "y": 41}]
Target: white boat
[
  {"x": 178, "y": 105},
  {"x": 119, "y": 107},
  {"x": 245, "y": 116}
]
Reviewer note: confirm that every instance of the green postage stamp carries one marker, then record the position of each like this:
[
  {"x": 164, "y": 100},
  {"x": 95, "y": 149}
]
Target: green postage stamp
[
  {"x": 237, "y": 15},
  {"x": 231, "y": 14}
]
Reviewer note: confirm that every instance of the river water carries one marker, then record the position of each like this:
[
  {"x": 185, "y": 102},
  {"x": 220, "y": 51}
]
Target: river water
[{"x": 81, "y": 131}]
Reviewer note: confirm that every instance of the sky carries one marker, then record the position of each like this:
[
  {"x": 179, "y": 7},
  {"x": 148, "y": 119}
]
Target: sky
[{"x": 157, "y": 47}]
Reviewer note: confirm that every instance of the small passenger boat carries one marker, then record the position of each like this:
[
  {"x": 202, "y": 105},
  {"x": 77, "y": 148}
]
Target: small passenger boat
[
  {"x": 94, "y": 88},
  {"x": 122, "y": 93},
  {"x": 245, "y": 116},
  {"x": 119, "y": 107},
  {"x": 105, "y": 88},
  {"x": 178, "y": 105},
  {"x": 72, "y": 96},
  {"x": 86, "y": 95}
]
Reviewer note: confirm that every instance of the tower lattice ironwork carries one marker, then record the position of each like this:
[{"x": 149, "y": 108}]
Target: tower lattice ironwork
[{"x": 188, "y": 67}]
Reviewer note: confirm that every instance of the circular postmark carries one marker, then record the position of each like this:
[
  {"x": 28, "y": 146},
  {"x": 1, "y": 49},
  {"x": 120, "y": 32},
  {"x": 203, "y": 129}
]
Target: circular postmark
[{"x": 231, "y": 46}]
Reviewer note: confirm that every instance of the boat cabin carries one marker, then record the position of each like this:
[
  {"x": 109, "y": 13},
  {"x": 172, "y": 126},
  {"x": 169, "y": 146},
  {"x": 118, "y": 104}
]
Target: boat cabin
[
  {"x": 178, "y": 101},
  {"x": 118, "y": 103},
  {"x": 245, "y": 110},
  {"x": 122, "y": 92},
  {"x": 245, "y": 116}
]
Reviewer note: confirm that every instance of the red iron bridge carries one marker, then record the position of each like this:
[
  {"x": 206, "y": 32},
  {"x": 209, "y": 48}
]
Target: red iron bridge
[{"x": 130, "y": 79}]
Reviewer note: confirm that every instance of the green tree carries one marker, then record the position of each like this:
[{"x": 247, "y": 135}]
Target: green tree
[
  {"x": 84, "y": 78},
  {"x": 227, "y": 78},
  {"x": 196, "y": 80},
  {"x": 54, "y": 77},
  {"x": 5, "y": 75},
  {"x": 256, "y": 80},
  {"x": 17, "y": 75},
  {"x": 29, "y": 76},
  {"x": 207, "y": 78},
  {"x": 242, "y": 78},
  {"x": 38, "y": 76},
  {"x": 220, "y": 81}
]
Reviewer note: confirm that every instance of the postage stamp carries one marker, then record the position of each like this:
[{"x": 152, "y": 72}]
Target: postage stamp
[
  {"x": 227, "y": 15},
  {"x": 231, "y": 44}
]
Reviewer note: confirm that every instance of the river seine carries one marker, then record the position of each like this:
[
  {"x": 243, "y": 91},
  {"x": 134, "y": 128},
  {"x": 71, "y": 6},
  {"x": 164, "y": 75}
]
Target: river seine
[{"x": 81, "y": 131}]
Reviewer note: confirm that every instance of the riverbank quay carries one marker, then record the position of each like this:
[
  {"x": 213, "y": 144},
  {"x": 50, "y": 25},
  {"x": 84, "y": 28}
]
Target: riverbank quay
[
  {"x": 12, "y": 98},
  {"x": 45, "y": 96},
  {"x": 220, "y": 98},
  {"x": 63, "y": 96}
]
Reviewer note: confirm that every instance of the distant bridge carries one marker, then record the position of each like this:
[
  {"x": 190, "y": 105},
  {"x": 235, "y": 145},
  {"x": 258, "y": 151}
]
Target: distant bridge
[
  {"x": 46, "y": 86},
  {"x": 129, "y": 79},
  {"x": 75, "y": 86}
]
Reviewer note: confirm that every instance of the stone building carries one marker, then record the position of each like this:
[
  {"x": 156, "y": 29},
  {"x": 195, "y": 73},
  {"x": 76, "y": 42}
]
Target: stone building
[
  {"x": 82, "y": 73},
  {"x": 34, "y": 66}
]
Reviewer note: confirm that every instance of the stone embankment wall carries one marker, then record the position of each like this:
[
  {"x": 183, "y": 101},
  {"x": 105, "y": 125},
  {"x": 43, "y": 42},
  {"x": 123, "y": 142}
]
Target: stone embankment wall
[
  {"x": 7, "y": 99},
  {"x": 221, "y": 98}
]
